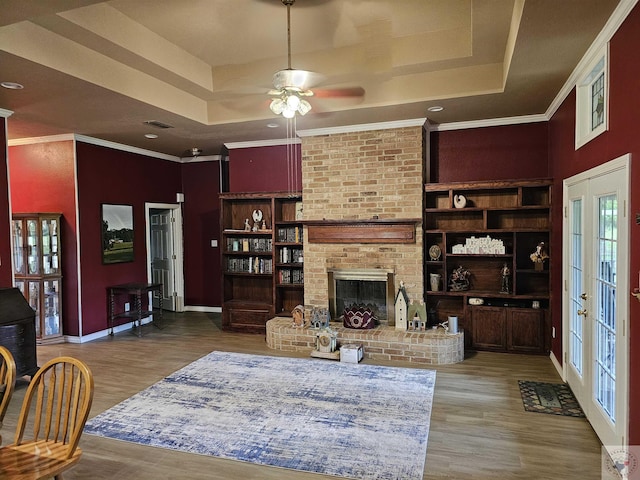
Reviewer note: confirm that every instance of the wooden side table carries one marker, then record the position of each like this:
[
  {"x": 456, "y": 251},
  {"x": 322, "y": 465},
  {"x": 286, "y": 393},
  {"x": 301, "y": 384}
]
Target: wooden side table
[{"x": 136, "y": 291}]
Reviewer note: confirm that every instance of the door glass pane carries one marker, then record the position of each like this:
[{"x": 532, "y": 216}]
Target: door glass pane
[
  {"x": 18, "y": 248},
  {"x": 34, "y": 302},
  {"x": 577, "y": 288},
  {"x": 51, "y": 307},
  {"x": 605, "y": 313},
  {"x": 32, "y": 247}
]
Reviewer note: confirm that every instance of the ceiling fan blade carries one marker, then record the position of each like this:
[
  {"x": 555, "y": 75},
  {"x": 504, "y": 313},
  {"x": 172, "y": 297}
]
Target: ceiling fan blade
[{"x": 338, "y": 92}]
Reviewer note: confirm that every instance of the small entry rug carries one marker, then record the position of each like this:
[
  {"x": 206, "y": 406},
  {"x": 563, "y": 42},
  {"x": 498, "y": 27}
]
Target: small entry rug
[
  {"x": 350, "y": 420},
  {"x": 553, "y": 398}
]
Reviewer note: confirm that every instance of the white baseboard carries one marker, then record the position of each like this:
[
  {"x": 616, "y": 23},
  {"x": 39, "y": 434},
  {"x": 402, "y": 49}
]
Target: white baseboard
[
  {"x": 105, "y": 332},
  {"x": 200, "y": 308}
]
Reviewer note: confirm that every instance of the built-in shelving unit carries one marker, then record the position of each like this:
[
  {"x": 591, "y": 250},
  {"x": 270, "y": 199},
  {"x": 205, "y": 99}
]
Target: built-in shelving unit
[
  {"x": 516, "y": 217},
  {"x": 263, "y": 273}
]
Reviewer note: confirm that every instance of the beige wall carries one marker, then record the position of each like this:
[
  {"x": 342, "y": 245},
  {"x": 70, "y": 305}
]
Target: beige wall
[{"x": 357, "y": 176}]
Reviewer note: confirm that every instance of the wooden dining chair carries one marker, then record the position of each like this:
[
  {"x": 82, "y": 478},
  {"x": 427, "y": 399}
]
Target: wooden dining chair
[
  {"x": 54, "y": 411},
  {"x": 7, "y": 381}
]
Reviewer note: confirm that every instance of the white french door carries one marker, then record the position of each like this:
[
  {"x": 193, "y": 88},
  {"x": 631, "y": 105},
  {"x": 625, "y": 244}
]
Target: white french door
[
  {"x": 595, "y": 299},
  {"x": 164, "y": 253}
]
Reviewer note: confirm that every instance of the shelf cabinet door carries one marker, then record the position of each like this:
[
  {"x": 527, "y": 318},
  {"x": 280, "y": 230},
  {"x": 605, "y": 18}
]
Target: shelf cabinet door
[
  {"x": 489, "y": 328},
  {"x": 525, "y": 330},
  {"x": 37, "y": 269}
]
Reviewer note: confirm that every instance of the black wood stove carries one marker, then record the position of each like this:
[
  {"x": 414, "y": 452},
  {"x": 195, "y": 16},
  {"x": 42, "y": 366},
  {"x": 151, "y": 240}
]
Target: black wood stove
[{"x": 18, "y": 330}]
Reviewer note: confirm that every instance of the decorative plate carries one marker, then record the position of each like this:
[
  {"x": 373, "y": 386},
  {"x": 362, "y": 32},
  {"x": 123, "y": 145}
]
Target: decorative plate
[{"x": 434, "y": 252}]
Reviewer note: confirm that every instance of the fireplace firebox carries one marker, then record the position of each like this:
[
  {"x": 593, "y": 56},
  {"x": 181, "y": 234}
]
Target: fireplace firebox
[{"x": 372, "y": 288}]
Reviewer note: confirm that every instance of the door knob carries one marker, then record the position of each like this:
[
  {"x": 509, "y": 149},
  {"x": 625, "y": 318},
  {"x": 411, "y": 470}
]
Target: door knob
[
  {"x": 583, "y": 296},
  {"x": 582, "y": 312}
]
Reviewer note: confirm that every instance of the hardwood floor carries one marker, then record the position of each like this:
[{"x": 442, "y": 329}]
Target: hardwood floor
[{"x": 479, "y": 429}]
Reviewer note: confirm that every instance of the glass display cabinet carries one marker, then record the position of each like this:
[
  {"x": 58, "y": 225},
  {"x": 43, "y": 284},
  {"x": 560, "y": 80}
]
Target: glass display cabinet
[{"x": 37, "y": 269}]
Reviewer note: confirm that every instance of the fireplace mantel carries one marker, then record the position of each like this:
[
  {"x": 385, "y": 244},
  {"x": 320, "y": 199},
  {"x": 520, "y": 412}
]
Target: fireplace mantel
[{"x": 373, "y": 230}]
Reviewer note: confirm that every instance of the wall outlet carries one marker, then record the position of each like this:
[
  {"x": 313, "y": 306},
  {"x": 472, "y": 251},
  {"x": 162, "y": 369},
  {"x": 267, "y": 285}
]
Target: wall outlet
[
  {"x": 127, "y": 307},
  {"x": 553, "y": 332},
  {"x": 214, "y": 243}
]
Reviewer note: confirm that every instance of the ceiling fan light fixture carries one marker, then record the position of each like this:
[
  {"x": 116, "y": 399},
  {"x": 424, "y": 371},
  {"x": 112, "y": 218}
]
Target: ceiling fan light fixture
[
  {"x": 293, "y": 101},
  {"x": 277, "y": 105},
  {"x": 288, "y": 113},
  {"x": 304, "y": 107}
]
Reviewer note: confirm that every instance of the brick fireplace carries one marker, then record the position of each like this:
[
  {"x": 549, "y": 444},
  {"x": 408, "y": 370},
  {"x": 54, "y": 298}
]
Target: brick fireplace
[{"x": 374, "y": 174}]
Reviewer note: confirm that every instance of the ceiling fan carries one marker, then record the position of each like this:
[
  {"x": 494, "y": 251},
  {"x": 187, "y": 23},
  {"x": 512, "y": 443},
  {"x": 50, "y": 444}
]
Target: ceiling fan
[{"x": 291, "y": 87}]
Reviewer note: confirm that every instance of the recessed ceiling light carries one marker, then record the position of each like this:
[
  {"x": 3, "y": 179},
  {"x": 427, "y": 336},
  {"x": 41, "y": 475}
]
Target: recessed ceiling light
[
  {"x": 151, "y": 135},
  {"x": 272, "y": 125},
  {"x": 435, "y": 108},
  {"x": 12, "y": 85}
]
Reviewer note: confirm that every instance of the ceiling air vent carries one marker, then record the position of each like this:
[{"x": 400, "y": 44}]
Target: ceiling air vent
[{"x": 157, "y": 124}]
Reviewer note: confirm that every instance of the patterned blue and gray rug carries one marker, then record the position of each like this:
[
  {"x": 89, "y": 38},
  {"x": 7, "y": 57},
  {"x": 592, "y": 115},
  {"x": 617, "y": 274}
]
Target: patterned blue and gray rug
[{"x": 348, "y": 420}]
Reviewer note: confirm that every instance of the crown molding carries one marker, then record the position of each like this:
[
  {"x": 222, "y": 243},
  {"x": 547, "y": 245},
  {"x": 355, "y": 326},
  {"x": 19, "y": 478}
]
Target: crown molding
[
  {"x": 201, "y": 158},
  {"x": 5, "y": 113},
  {"x": 125, "y": 148},
  {"x": 262, "y": 143},
  {"x": 490, "y": 122},
  {"x": 64, "y": 137},
  {"x": 616, "y": 19},
  {"x": 364, "y": 127}
]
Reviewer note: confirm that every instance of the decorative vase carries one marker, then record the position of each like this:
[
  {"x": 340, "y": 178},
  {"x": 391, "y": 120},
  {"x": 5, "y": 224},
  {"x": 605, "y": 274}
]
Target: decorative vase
[
  {"x": 434, "y": 279},
  {"x": 538, "y": 266}
]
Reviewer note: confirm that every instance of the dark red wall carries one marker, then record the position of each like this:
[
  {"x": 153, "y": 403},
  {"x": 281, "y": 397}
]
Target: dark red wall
[
  {"x": 43, "y": 180},
  {"x": 111, "y": 176},
  {"x": 622, "y": 137},
  {"x": 490, "y": 153},
  {"x": 201, "y": 211},
  {"x": 6, "y": 279},
  {"x": 264, "y": 169}
]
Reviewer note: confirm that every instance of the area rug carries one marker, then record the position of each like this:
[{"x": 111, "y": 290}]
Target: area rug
[
  {"x": 553, "y": 398},
  {"x": 349, "y": 420}
]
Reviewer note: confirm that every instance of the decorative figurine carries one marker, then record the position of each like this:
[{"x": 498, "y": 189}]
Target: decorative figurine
[
  {"x": 264, "y": 225},
  {"x": 459, "y": 279},
  {"x": 320, "y": 318},
  {"x": 298, "y": 316},
  {"x": 506, "y": 279},
  {"x": 257, "y": 218},
  {"x": 539, "y": 256},
  {"x": 401, "y": 308},
  {"x": 247, "y": 227},
  {"x": 417, "y": 315}
]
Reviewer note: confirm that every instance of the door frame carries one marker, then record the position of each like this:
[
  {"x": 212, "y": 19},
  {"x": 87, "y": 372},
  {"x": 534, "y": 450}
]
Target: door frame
[
  {"x": 620, "y": 163},
  {"x": 177, "y": 245}
]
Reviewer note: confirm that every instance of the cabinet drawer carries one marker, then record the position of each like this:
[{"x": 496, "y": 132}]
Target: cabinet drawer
[{"x": 246, "y": 319}]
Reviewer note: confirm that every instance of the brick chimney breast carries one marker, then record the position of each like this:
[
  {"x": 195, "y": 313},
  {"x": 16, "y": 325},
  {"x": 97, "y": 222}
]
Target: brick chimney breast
[{"x": 363, "y": 175}]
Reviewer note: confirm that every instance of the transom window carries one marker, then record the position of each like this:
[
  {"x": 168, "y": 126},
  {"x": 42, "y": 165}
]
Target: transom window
[{"x": 592, "y": 100}]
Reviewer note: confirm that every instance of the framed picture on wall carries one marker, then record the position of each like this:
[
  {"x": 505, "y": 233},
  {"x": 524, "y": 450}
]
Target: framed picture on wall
[{"x": 117, "y": 233}]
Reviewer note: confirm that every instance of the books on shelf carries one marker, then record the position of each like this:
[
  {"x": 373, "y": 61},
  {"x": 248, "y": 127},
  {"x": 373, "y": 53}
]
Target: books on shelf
[
  {"x": 290, "y": 255},
  {"x": 250, "y": 265},
  {"x": 240, "y": 244},
  {"x": 290, "y": 276},
  {"x": 290, "y": 234}
]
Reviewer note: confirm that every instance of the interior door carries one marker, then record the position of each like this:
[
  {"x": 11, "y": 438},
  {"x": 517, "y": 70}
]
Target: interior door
[
  {"x": 162, "y": 256},
  {"x": 595, "y": 299}
]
